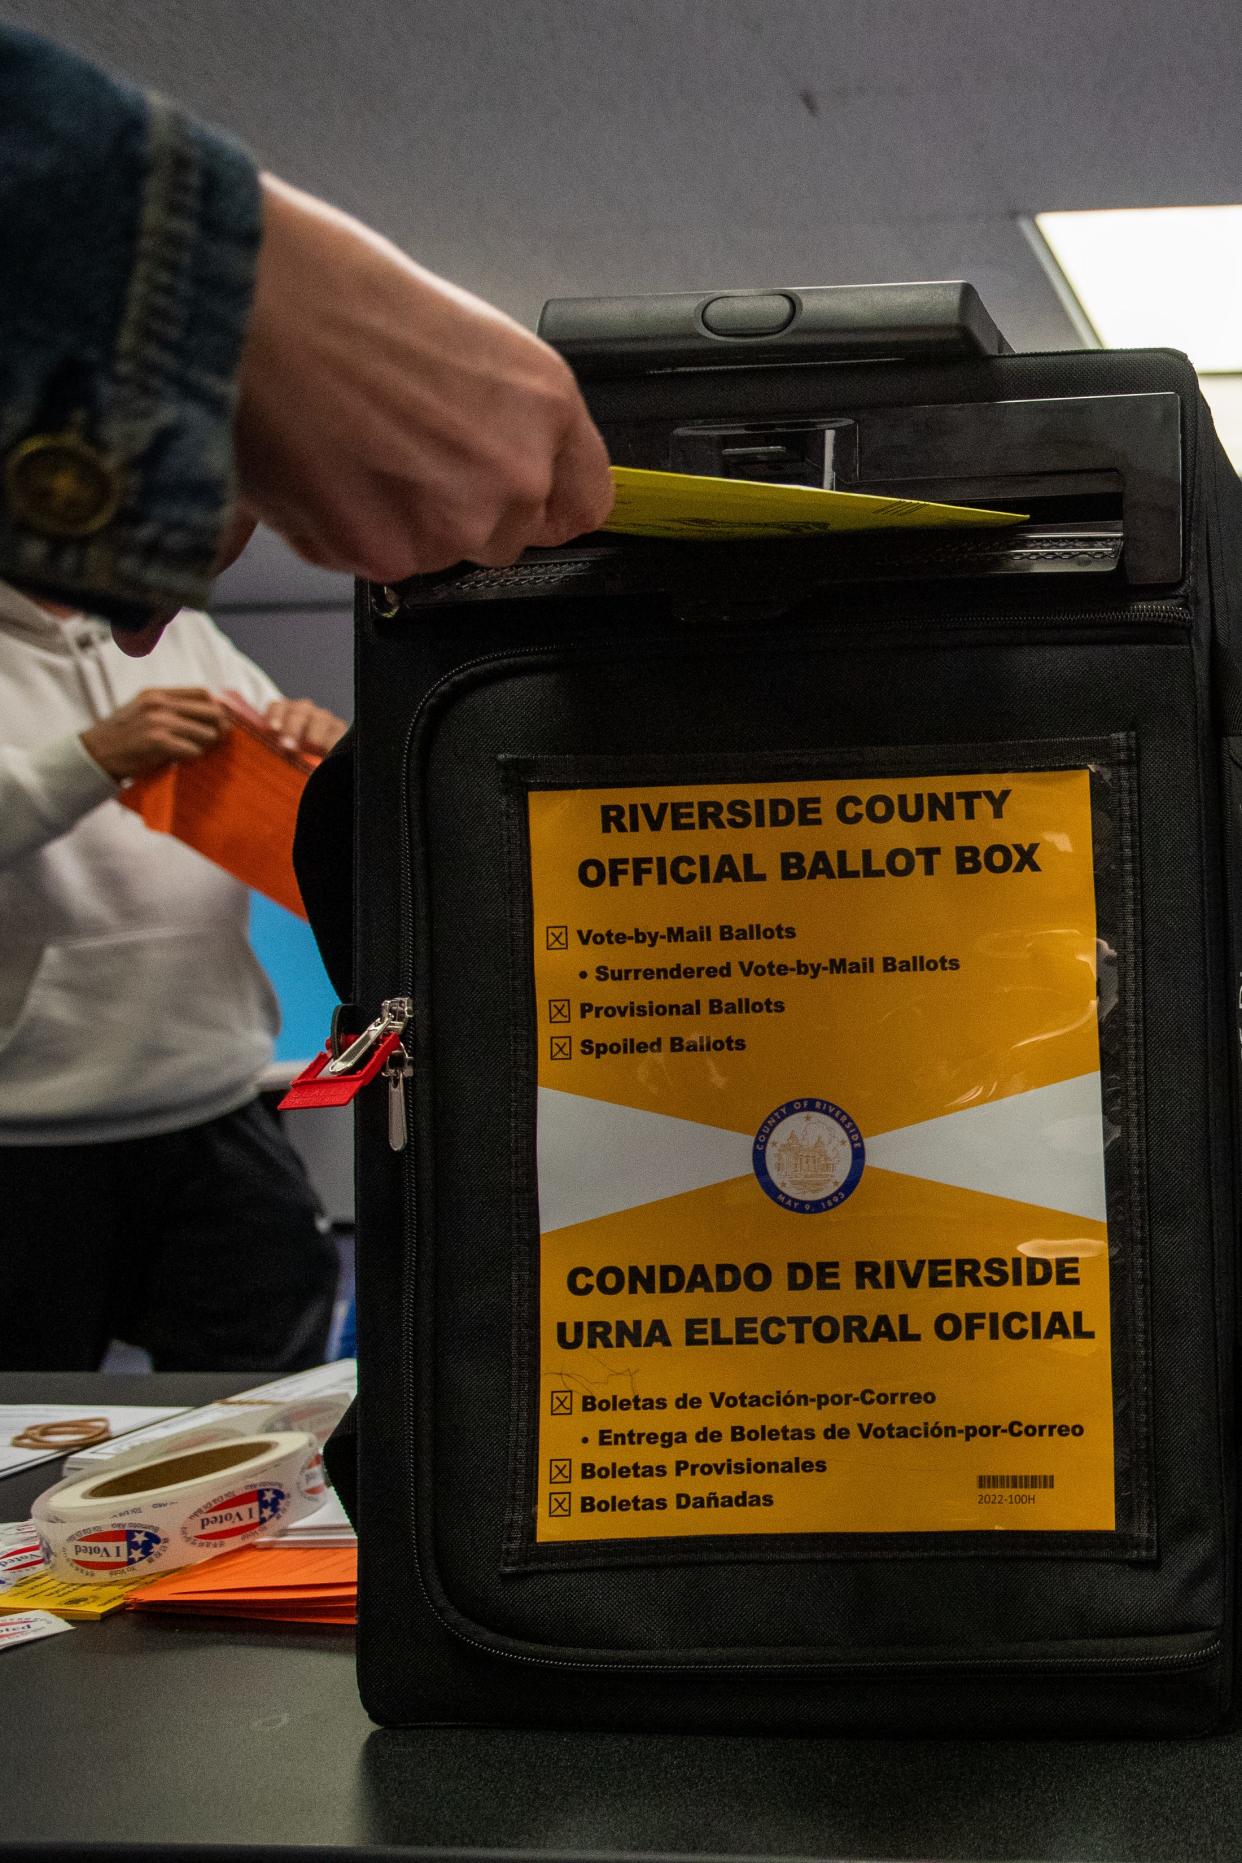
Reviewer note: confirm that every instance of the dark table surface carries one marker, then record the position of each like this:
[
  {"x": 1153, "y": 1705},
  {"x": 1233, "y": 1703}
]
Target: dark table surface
[{"x": 145, "y": 1731}]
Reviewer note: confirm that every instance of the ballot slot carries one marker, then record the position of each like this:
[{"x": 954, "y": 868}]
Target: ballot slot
[
  {"x": 1102, "y": 465},
  {"x": 724, "y": 578},
  {"x": 1075, "y": 526},
  {"x": 1100, "y": 477}
]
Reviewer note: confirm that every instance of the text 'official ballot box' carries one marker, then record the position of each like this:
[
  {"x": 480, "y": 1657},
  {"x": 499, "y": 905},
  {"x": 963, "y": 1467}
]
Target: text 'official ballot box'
[{"x": 797, "y": 1292}]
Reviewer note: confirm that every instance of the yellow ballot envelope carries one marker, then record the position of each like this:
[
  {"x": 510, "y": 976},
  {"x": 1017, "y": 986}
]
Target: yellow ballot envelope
[
  {"x": 687, "y": 506},
  {"x": 83, "y": 1603}
]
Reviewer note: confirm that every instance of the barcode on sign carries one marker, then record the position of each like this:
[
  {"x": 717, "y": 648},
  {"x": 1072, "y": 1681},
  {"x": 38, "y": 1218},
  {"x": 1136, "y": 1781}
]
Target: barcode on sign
[{"x": 1015, "y": 1481}]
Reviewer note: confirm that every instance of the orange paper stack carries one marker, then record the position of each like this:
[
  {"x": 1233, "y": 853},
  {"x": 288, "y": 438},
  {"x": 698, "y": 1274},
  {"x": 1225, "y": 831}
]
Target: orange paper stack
[
  {"x": 275, "y": 1584},
  {"x": 237, "y": 805}
]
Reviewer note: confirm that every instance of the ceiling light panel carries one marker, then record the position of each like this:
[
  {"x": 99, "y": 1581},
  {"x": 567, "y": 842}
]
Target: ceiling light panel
[
  {"x": 1157, "y": 277},
  {"x": 1223, "y": 394}
]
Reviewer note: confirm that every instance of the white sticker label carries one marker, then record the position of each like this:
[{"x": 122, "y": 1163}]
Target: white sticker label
[{"x": 29, "y": 1626}]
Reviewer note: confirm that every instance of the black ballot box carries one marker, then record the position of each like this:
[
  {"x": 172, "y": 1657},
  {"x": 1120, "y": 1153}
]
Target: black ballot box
[{"x": 797, "y": 1231}]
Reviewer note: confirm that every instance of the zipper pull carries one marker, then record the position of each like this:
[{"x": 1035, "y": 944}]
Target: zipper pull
[
  {"x": 334, "y": 1079},
  {"x": 397, "y": 1070},
  {"x": 394, "y": 1013}
]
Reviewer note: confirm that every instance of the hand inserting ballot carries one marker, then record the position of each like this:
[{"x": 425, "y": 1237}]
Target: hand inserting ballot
[{"x": 389, "y": 422}]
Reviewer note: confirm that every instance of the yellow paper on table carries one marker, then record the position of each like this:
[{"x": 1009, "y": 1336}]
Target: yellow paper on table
[
  {"x": 66, "y": 1597},
  {"x": 686, "y": 506}
]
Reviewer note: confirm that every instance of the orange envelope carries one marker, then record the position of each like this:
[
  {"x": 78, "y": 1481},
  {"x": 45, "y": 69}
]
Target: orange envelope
[
  {"x": 237, "y": 805},
  {"x": 271, "y": 1584}
]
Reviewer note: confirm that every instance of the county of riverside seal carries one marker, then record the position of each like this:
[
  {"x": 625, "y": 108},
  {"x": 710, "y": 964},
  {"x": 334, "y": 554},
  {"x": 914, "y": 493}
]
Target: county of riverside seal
[{"x": 809, "y": 1156}]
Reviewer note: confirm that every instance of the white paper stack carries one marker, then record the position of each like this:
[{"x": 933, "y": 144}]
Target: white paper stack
[
  {"x": 123, "y": 1420},
  {"x": 306, "y": 1400}
]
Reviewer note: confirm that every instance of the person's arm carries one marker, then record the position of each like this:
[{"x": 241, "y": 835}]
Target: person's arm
[
  {"x": 390, "y": 423},
  {"x": 129, "y": 234},
  {"x": 387, "y": 422},
  {"x": 46, "y": 792}
]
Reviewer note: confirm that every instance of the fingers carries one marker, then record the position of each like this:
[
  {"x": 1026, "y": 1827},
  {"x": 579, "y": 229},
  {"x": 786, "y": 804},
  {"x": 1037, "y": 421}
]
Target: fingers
[
  {"x": 330, "y": 731},
  {"x": 575, "y": 498},
  {"x": 391, "y": 424},
  {"x": 200, "y": 734},
  {"x": 304, "y": 726},
  {"x": 319, "y": 554},
  {"x": 183, "y": 746},
  {"x": 180, "y": 740},
  {"x": 157, "y": 727},
  {"x": 191, "y": 704},
  {"x": 392, "y": 531},
  {"x": 519, "y": 525},
  {"x": 582, "y": 492},
  {"x": 291, "y": 720},
  {"x": 194, "y": 696},
  {"x": 180, "y": 722},
  {"x": 369, "y": 532}
]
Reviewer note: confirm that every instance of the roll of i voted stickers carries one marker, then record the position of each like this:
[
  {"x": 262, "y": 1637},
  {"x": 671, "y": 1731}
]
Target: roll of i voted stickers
[
  {"x": 314, "y": 1479},
  {"x": 21, "y": 1552},
  {"x": 191, "y": 1504}
]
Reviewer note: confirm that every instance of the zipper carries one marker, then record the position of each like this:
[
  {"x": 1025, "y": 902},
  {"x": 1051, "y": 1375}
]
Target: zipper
[
  {"x": 398, "y": 1068},
  {"x": 895, "y": 612},
  {"x": 395, "y": 1013},
  {"x": 338, "y": 1075},
  {"x": 392, "y": 1022},
  {"x": 1153, "y": 613},
  {"x": 628, "y": 566}
]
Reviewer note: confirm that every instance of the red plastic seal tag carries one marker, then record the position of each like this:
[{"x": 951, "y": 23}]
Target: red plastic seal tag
[{"x": 311, "y": 1088}]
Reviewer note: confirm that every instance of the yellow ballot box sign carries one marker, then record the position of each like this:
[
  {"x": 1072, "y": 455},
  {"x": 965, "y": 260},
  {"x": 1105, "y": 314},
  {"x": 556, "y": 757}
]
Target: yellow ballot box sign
[
  {"x": 823, "y": 1237},
  {"x": 691, "y": 507}
]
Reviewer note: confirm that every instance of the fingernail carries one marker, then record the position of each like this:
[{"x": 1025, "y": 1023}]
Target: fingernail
[{"x": 290, "y": 743}]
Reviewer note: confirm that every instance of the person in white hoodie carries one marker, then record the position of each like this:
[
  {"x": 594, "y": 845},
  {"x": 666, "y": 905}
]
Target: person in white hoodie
[{"x": 146, "y": 1193}]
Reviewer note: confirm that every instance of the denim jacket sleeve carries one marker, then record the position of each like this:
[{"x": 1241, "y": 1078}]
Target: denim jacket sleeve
[{"x": 129, "y": 236}]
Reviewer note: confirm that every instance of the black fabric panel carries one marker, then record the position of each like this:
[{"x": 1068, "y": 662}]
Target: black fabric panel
[
  {"x": 323, "y": 859},
  {"x": 340, "y": 1458},
  {"x": 1085, "y": 689}
]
